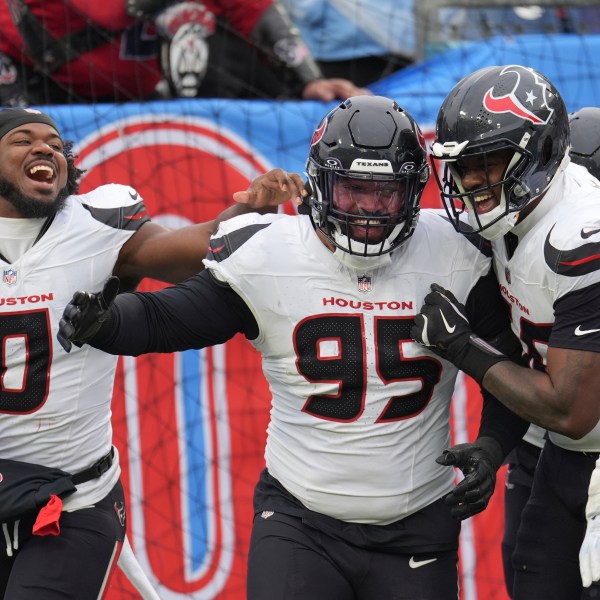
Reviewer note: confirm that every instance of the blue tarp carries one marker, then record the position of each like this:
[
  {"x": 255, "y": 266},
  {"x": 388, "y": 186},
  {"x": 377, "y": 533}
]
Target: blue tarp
[{"x": 571, "y": 62}]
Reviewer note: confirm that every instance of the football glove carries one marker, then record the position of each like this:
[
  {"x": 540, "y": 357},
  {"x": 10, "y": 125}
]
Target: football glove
[
  {"x": 443, "y": 327},
  {"x": 479, "y": 463},
  {"x": 84, "y": 315},
  {"x": 589, "y": 554}
]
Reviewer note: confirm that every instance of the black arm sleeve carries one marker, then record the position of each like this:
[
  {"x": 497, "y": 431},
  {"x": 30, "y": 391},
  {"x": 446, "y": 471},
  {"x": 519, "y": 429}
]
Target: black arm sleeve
[
  {"x": 490, "y": 319},
  {"x": 197, "y": 313},
  {"x": 488, "y": 313}
]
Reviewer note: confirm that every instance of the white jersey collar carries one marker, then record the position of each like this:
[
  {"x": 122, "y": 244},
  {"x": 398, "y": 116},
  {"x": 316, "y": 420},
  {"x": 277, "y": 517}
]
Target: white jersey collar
[{"x": 18, "y": 235}]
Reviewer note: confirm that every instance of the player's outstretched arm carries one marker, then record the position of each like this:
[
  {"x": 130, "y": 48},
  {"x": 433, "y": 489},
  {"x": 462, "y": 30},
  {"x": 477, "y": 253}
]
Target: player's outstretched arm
[
  {"x": 546, "y": 398},
  {"x": 174, "y": 255},
  {"x": 443, "y": 327}
]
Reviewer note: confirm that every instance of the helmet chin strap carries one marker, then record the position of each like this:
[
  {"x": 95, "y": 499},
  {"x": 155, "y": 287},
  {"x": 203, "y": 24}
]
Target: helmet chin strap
[
  {"x": 364, "y": 257},
  {"x": 501, "y": 227}
]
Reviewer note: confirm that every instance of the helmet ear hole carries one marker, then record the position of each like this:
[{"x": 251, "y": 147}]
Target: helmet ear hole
[{"x": 547, "y": 150}]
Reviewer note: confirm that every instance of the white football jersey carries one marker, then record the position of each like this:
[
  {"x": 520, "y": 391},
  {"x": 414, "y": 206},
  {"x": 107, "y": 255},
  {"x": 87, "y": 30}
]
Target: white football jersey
[
  {"x": 359, "y": 410},
  {"x": 54, "y": 405},
  {"x": 558, "y": 254}
]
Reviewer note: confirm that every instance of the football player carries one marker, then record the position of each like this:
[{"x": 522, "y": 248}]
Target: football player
[
  {"x": 56, "y": 449},
  {"x": 503, "y": 137},
  {"x": 585, "y": 150},
  {"x": 351, "y": 502}
]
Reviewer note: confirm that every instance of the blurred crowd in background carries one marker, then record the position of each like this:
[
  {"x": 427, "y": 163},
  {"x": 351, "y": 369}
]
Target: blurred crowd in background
[{"x": 78, "y": 51}]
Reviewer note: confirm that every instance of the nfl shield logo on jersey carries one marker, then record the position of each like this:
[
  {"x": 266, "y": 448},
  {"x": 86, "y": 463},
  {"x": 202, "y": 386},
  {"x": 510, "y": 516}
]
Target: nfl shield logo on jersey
[
  {"x": 10, "y": 277},
  {"x": 364, "y": 283}
]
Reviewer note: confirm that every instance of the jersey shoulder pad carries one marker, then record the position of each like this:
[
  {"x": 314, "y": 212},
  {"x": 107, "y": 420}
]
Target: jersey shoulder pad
[
  {"x": 582, "y": 177},
  {"x": 572, "y": 241},
  {"x": 235, "y": 232},
  {"x": 117, "y": 206}
]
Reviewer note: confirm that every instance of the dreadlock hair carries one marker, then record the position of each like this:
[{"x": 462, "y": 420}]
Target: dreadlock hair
[{"x": 73, "y": 173}]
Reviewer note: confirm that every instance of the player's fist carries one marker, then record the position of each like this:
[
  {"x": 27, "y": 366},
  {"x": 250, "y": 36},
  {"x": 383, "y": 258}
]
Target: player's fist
[
  {"x": 443, "y": 327},
  {"x": 442, "y": 324},
  {"x": 84, "y": 315}
]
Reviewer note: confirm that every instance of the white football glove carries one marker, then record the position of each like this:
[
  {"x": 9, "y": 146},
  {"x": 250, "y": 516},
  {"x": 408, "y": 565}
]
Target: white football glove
[{"x": 589, "y": 555}]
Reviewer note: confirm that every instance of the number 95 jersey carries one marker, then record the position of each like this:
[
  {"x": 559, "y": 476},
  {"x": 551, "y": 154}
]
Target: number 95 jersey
[{"x": 359, "y": 410}]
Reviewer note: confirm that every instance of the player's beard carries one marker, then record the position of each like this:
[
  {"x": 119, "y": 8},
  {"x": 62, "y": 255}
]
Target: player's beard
[{"x": 28, "y": 207}]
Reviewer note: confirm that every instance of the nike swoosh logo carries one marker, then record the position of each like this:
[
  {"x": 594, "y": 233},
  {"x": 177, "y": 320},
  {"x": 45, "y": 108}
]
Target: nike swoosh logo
[
  {"x": 579, "y": 331},
  {"x": 572, "y": 263},
  {"x": 133, "y": 196},
  {"x": 586, "y": 234},
  {"x": 218, "y": 249},
  {"x": 446, "y": 324},
  {"x": 415, "y": 564},
  {"x": 424, "y": 337}
]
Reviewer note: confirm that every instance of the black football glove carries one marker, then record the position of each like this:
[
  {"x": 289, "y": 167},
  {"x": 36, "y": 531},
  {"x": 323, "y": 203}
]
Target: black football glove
[
  {"x": 84, "y": 315},
  {"x": 479, "y": 463},
  {"x": 443, "y": 327}
]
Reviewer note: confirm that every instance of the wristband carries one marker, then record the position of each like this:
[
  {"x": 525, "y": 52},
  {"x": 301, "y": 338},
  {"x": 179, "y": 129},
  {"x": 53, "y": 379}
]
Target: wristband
[{"x": 476, "y": 357}]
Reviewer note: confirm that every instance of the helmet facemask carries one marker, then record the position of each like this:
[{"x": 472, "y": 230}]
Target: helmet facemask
[
  {"x": 508, "y": 107},
  {"x": 366, "y": 214},
  {"x": 513, "y": 193},
  {"x": 367, "y": 169}
]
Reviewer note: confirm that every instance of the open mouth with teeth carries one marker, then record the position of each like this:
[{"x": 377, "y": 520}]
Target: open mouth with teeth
[
  {"x": 371, "y": 221},
  {"x": 484, "y": 203},
  {"x": 41, "y": 173},
  {"x": 370, "y": 231}
]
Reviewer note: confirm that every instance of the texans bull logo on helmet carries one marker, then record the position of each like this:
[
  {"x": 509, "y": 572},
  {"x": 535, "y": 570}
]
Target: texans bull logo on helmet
[
  {"x": 526, "y": 97},
  {"x": 318, "y": 134}
]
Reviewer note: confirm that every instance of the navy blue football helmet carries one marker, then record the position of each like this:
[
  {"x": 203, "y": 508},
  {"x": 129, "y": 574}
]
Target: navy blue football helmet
[
  {"x": 368, "y": 144},
  {"x": 511, "y": 109},
  {"x": 585, "y": 139}
]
